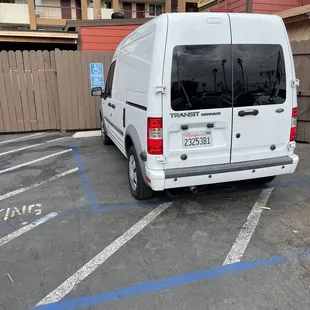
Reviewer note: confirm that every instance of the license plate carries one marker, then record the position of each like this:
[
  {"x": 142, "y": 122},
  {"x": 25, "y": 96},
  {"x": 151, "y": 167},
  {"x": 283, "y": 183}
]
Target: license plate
[{"x": 197, "y": 139}]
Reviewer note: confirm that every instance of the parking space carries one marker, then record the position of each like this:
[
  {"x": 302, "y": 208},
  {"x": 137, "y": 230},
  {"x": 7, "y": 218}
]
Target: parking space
[{"x": 72, "y": 236}]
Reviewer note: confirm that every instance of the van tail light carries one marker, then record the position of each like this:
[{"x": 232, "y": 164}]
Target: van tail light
[
  {"x": 293, "y": 125},
  {"x": 155, "y": 135}
]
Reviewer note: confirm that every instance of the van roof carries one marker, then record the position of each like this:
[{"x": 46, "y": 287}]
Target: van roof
[{"x": 180, "y": 18}]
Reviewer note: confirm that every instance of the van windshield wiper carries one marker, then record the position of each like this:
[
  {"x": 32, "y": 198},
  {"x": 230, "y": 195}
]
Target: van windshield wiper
[{"x": 188, "y": 103}]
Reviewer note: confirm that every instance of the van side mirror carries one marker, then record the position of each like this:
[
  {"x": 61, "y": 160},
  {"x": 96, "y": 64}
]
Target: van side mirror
[{"x": 96, "y": 91}]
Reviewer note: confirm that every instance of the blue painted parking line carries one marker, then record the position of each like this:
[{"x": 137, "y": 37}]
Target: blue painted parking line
[
  {"x": 119, "y": 207},
  {"x": 170, "y": 282},
  {"x": 89, "y": 193}
]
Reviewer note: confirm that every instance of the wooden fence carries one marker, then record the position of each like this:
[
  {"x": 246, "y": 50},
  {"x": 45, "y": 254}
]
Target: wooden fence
[
  {"x": 51, "y": 90},
  {"x": 41, "y": 90},
  {"x": 301, "y": 52}
]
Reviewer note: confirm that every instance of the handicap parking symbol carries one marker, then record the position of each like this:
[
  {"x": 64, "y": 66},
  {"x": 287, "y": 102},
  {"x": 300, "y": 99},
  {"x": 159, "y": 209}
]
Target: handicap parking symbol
[{"x": 96, "y": 75}]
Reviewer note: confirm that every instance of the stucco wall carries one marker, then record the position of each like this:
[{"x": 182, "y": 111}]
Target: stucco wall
[{"x": 12, "y": 13}]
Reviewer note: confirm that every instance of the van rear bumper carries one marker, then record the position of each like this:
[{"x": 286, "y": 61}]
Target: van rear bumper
[{"x": 193, "y": 176}]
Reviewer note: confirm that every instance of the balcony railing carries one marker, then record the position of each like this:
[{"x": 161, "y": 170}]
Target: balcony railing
[
  {"x": 141, "y": 14},
  {"x": 58, "y": 12}
]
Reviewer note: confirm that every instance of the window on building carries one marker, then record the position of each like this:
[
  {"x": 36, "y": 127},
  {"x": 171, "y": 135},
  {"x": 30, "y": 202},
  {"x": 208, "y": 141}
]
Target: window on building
[
  {"x": 108, "y": 5},
  {"x": 155, "y": 9},
  {"x": 38, "y": 5}
]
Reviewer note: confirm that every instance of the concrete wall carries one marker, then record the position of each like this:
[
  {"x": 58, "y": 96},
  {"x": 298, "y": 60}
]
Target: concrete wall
[{"x": 12, "y": 13}]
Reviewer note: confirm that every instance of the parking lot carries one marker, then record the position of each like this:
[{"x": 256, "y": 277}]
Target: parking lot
[{"x": 73, "y": 237}]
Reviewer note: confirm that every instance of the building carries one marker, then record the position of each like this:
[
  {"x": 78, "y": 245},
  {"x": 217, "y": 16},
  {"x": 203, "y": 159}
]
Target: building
[
  {"x": 53, "y": 14},
  {"x": 250, "y": 6}
]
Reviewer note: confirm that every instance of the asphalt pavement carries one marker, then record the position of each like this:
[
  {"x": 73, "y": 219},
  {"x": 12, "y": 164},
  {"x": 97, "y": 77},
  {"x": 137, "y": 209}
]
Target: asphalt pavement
[{"x": 73, "y": 237}]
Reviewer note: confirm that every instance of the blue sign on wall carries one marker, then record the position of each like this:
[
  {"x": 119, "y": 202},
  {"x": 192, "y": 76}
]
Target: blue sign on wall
[{"x": 96, "y": 75}]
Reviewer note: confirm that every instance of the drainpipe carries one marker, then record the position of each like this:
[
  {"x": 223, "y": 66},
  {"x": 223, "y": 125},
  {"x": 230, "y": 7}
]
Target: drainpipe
[{"x": 249, "y": 6}]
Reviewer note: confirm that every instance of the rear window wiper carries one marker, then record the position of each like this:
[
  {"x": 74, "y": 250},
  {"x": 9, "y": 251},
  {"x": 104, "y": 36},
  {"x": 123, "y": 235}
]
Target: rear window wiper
[{"x": 188, "y": 103}]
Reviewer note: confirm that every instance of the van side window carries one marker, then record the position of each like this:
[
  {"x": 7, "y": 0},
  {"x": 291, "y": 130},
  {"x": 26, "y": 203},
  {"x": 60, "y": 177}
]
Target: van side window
[
  {"x": 258, "y": 74},
  {"x": 201, "y": 77},
  {"x": 109, "y": 84}
]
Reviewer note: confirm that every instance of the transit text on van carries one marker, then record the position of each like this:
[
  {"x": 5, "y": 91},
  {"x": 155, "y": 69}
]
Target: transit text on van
[{"x": 193, "y": 114}]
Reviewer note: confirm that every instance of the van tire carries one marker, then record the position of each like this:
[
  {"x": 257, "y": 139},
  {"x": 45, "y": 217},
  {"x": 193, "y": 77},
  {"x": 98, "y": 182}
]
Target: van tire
[
  {"x": 262, "y": 181},
  {"x": 139, "y": 189},
  {"x": 104, "y": 134}
]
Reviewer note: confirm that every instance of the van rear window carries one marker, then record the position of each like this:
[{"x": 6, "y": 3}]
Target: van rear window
[{"x": 214, "y": 76}]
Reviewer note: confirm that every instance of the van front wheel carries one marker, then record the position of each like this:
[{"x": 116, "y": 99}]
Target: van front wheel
[{"x": 137, "y": 185}]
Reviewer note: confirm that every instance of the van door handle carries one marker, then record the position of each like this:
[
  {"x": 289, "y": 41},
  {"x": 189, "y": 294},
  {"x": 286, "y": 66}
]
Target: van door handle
[
  {"x": 113, "y": 105},
  {"x": 109, "y": 104},
  {"x": 244, "y": 113}
]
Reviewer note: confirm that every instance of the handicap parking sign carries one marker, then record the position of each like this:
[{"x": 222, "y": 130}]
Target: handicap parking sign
[{"x": 96, "y": 75}]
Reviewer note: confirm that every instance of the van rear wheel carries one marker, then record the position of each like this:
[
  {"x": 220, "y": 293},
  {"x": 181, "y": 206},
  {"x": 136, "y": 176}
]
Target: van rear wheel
[{"x": 137, "y": 185}]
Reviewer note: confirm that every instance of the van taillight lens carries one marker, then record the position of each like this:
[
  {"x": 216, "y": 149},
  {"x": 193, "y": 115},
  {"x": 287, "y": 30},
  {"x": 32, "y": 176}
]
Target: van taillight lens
[
  {"x": 293, "y": 125},
  {"x": 155, "y": 135}
]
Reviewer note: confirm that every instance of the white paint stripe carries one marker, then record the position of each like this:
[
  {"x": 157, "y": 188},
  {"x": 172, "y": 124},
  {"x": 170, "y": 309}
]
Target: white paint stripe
[
  {"x": 35, "y": 161},
  {"x": 248, "y": 229},
  {"x": 100, "y": 258},
  {"x": 87, "y": 134},
  {"x": 23, "y": 189},
  {"x": 31, "y": 146},
  {"x": 26, "y": 228},
  {"x": 23, "y": 138}
]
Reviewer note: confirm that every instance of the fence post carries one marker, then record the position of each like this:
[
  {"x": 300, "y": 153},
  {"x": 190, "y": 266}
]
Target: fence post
[{"x": 61, "y": 89}]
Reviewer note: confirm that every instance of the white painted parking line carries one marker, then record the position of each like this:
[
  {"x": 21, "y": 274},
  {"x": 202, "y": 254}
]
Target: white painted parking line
[
  {"x": 35, "y": 161},
  {"x": 23, "y": 189},
  {"x": 87, "y": 134},
  {"x": 248, "y": 228},
  {"x": 26, "y": 228},
  {"x": 31, "y": 146},
  {"x": 67, "y": 286},
  {"x": 23, "y": 138}
]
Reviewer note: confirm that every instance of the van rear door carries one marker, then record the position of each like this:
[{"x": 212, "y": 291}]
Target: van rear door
[
  {"x": 262, "y": 91},
  {"x": 197, "y": 109}
]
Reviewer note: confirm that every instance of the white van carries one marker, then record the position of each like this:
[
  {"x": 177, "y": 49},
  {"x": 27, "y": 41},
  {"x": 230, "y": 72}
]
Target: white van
[{"x": 201, "y": 98}]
